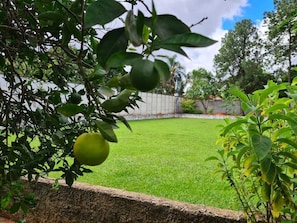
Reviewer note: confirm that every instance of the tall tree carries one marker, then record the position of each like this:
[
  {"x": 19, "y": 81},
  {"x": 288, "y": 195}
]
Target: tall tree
[
  {"x": 241, "y": 47},
  {"x": 282, "y": 47},
  {"x": 176, "y": 81},
  {"x": 203, "y": 85}
]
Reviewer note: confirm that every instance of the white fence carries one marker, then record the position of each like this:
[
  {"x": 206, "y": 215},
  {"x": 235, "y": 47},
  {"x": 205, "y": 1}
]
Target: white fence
[{"x": 156, "y": 105}]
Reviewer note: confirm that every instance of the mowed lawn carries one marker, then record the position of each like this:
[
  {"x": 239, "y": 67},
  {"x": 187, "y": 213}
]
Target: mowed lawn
[{"x": 166, "y": 158}]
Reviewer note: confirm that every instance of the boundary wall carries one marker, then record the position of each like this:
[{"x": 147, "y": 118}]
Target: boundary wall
[
  {"x": 155, "y": 104},
  {"x": 83, "y": 203}
]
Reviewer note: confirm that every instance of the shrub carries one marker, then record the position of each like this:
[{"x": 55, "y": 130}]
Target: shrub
[
  {"x": 189, "y": 106},
  {"x": 259, "y": 157}
]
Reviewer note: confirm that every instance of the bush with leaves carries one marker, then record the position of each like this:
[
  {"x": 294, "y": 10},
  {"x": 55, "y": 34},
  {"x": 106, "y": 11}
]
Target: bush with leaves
[
  {"x": 259, "y": 155},
  {"x": 45, "y": 45},
  {"x": 189, "y": 106}
]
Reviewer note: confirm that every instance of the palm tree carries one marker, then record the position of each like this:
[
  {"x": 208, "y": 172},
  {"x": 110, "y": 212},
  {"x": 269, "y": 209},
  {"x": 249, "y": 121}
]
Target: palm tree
[{"x": 175, "y": 85}]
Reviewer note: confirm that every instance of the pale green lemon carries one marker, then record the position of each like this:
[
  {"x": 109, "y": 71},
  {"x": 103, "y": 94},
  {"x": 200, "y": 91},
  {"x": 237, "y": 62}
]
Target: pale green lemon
[{"x": 91, "y": 149}]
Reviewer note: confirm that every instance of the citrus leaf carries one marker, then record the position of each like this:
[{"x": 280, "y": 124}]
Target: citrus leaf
[
  {"x": 108, "y": 92},
  {"x": 113, "y": 105},
  {"x": 69, "y": 178},
  {"x": 126, "y": 123},
  {"x": 106, "y": 131},
  {"x": 123, "y": 97},
  {"x": 51, "y": 16},
  {"x": 134, "y": 27},
  {"x": 186, "y": 40},
  {"x": 167, "y": 26},
  {"x": 125, "y": 82},
  {"x": 174, "y": 48},
  {"x": 70, "y": 109},
  {"x": 102, "y": 12},
  {"x": 112, "y": 42},
  {"x": 162, "y": 68},
  {"x": 119, "y": 103},
  {"x": 262, "y": 146},
  {"x": 66, "y": 35},
  {"x": 123, "y": 58}
]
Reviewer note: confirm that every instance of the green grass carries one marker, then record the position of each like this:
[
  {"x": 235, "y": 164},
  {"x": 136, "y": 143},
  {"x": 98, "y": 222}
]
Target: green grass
[{"x": 166, "y": 158}]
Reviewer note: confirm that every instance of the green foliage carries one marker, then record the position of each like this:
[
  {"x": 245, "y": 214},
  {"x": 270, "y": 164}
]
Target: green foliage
[
  {"x": 203, "y": 86},
  {"x": 47, "y": 44},
  {"x": 176, "y": 80},
  {"x": 282, "y": 37},
  {"x": 240, "y": 59},
  {"x": 189, "y": 106},
  {"x": 259, "y": 157}
]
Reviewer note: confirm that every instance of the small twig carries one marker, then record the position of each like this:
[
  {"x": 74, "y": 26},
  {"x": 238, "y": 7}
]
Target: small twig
[
  {"x": 198, "y": 23},
  {"x": 9, "y": 27},
  {"x": 146, "y": 6}
]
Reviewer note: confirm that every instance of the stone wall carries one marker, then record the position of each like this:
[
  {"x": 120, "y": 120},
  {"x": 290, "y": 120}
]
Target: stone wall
[{"x": 85, "y": 203}]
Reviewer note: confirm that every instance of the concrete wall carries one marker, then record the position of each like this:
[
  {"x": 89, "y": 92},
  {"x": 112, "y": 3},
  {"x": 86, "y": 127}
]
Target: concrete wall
[
  {"x": 84, "y": 203},
  {"x": 156, "y": 104},
  {"x": 219, "y": 106}
]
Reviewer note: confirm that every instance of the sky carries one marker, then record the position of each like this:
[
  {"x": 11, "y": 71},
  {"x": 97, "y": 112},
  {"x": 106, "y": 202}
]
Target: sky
[{"x": 222, "y": 16}]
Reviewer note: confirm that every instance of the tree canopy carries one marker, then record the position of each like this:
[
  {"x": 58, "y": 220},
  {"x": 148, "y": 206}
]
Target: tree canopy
[
  {"x": 203, "y": 85},
  {"x": 282, "y": 36},
  {"x": 239, "y": 59},
  {"x": 47, "y": 44}
]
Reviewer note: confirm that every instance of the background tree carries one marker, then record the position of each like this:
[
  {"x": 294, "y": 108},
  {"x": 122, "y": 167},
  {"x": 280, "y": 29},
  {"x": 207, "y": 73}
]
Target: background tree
[
  {"x": 240, "y": 58},
  {"x": 282, "y": 44},
  {"x": 203, "y": 85},
  {"x": 58, "y": 41}
]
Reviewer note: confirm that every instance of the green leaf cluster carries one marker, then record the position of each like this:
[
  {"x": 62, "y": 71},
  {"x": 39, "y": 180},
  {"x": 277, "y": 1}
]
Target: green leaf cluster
[
  {"x": 258, "y": 155},
  {"x": 64, "y": 72}
]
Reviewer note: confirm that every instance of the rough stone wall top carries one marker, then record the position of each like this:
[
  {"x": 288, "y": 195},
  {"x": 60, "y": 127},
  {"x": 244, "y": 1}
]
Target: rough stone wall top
[{"x": 83, "y": 203}]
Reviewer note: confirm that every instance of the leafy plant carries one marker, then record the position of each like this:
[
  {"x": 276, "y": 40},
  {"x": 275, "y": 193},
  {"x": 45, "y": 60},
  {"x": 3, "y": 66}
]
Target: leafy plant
[
  {"x": 45, "y": 45},
  {"x": 203, "y": 85},
  {"x": 189, "y": 106},
  {"x": 259, "y": 157}
]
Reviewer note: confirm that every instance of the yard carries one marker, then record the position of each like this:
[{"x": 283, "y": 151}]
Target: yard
[{"x": 166, "y": 158}]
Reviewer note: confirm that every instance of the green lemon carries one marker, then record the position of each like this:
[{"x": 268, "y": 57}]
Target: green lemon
[
  {"x": 91, "y": 149},
  {"x": 144, "y": 76},
  {"x": 75, "y": 98}
]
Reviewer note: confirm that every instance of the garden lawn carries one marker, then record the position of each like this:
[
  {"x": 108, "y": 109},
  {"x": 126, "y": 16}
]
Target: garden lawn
[{"x": 166, "y": 158}]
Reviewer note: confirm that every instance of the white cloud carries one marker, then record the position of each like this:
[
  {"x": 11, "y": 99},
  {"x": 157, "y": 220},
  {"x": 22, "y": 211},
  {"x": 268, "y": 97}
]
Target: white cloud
[{"x": 192, "y": 11}]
